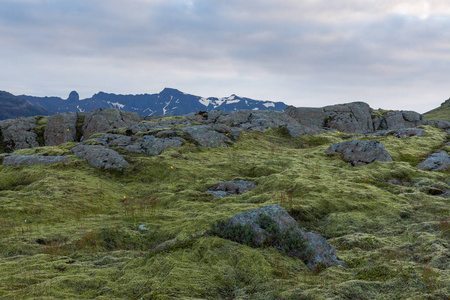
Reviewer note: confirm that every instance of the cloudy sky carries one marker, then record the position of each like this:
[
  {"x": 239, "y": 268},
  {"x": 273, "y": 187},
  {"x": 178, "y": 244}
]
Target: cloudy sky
[{"x": 391, "y": 54}]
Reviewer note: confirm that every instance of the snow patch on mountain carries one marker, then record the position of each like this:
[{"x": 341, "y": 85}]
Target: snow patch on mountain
[
  {"x": 269, "y": 104},
  {"x": 116, "y": 104}
]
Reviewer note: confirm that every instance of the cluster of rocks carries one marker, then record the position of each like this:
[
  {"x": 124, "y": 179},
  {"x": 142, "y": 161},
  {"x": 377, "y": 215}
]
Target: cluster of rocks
[
  {"x": 359, "y": 153},
  {"x": 232, "y": 187}
]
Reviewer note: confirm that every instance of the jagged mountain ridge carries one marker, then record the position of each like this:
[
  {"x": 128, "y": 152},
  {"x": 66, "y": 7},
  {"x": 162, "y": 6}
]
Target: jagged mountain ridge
[{"x": 169, "y": 102}]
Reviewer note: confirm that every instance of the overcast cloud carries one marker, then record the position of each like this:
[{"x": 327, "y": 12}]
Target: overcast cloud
[{"x": 390, "y": 54}]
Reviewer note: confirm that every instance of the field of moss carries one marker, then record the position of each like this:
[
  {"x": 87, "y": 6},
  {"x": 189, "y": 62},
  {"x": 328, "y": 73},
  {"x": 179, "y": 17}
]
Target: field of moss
[
  {"x": 440, "y": 113},
  {"x": 70, "y": 231}
]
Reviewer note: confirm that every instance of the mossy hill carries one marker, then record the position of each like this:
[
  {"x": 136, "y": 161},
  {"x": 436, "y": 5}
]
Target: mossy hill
[
  {"x": 71, "y": 231},
  {"x": 440, "y": 113}
]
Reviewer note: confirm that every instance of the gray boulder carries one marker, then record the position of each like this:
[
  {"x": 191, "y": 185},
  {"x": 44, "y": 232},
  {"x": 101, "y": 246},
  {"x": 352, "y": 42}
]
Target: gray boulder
[
  {"x": 111, "y": 139},
  {"x": 153, "y": 145},
  {"x": 149, "y": 126},
  {"x": 100, "y": 157},
  {"x": 106, "y": 119},
  {"x": 307, "y": 116},
  {"x": 397, "y": 120},
  {"x": 353, "y": 117},
  {"x": 298, "y": 130},
  {"x": 438, "y": 161},
  {"x": 234, "y": 187},
  {"x": 409, "y": 132},
  {"x": 445, "y": 125},
  {"x": 206, "y": 136},
  {"x": 18, "y": 133},
  {"x": 359, "y": 153},
  {"x": 256, "y": 120},
  {"x": 29, "y": 160},
  {"x": 322, "y": 253},
  {"x": 60, "y": 129}
]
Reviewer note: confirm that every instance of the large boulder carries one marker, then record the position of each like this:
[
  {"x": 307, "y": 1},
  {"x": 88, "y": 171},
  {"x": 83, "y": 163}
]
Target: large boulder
[
  {"x": 397, "y": 120},
  {"x": 206, "y": 136},
  {"x": 100, "y": 157},
  {"x": 60, "y": 129},
  {"x": 278, "y": 222},
  {"x": 359, "y": 153},
  {"x": 438, "y": 161},
  {"x": 153, "y": 145},
  {"x": 307, "y": 116},
  {"x": 29, "y": 160},
  {"x": 256, "y": 120},
  {"x": 18, "y": 133},
  {"x": 106, "y": 119},
  {"x": 353, "y": 117}
]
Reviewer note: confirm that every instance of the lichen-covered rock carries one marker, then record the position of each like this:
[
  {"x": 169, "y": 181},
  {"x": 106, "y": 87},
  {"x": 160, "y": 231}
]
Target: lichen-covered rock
[
  {"x": 19, "y": 133},
  {"x": 323, "y": 254},
  {"x": 438, "y": 161},
  {"x": 106, "y": 119},
  {"x": 234, "y": 187},
  {"x": 256, "y": 120},
  {"x": 111, "y": 139},
  {"x": 359, "y": 153},
  {"x": 29, "y": 160},
  {"x": 353, "y": 117},
  {"x": 409, "y": 132},
  {"x": 100, "y": 157},
  {"x": 153, "y": 145},
  {"x": 298, "y": 130},
  {"x": 149, "y": 126},
  {"x": 445, "y": 125},
  {"x": 307, "y": 116},
  {"x": 398, "y": 120},
  {"x": 206, "y": 136},
  {"x": 60, "y": 129}
]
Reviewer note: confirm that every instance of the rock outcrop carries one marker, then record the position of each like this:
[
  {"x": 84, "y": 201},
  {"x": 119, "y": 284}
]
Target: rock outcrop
[
  {"x": 60, "y": 129},
  {"x": 438, "y": 161},
  {"x": 19, "y": 133},
  {"x": 101, "y": 157},
  {"x": 359, "y": 153},
  {"x": 104, "y": 120},
  {"x": 398, "y": 120},
  {"x": 29, "y": 160},
  {"x": 233, "y": 187},
  {"x": 353, "y": 117},
  {"x": 320, "y": 252}
]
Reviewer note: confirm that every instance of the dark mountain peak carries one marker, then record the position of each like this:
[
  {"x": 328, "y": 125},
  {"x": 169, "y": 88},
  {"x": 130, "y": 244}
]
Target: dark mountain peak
[
  {"x": 170, "y": 91},
  {"x": 73, "y": 96}
]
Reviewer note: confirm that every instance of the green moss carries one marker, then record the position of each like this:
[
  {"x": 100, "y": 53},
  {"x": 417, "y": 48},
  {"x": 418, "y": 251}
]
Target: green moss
[
  {"x": 79, "y": 128},
  {"x": 41, "y": 122}
]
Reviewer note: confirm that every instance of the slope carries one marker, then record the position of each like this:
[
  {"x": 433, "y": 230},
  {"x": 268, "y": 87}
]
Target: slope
[
  {"x": 13, "y": 107},
  {"x": 440, "y": 113}
]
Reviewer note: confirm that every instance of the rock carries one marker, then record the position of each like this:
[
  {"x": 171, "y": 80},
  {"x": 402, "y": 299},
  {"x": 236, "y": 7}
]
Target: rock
[
  {"x": 409, "y": 132},
  {"x": 323, "y": 254},
  {"x": 445, "y": 125},
  {"x": 152, "y": 145},
  {"x": 29, "y": 160},
  {"x": 438, "y": 161},
  {"x": 111, "y": 140},
  {"x": 234, "y": 187},
  {"x": 256, "y": 120},
  {"x": 101, "y": 157},
  {"x": 397, "y": 120},
  {"x": 298, "y": 130},
  {"x": 206, "y": 136},
  {"x": 149, "y": 126},
  {"x": 353, "y": 117},
  {"x": 359, "y": 153},
  {"x": 307, "y": 116},
  {"x": 19, "y": 133},
  {"x": 142, "y": 228},
  {"x": 60, "y": 129},
  {"x": 106, "y": 119}
]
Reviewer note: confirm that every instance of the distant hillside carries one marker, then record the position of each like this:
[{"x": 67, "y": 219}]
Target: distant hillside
[
  {"x": 440, "y": 113},
  {"x": 13, "y": 107},
  {"x": 169, "y": 102}
]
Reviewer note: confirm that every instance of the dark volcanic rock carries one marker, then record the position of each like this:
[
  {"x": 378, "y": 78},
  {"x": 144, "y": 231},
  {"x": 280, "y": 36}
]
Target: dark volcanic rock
[
  {"x": 101, "y": 157},
  {"x": 29, "y": 160},
  {"x": 153, "y": 145},
  {"x": 307, "y": 116},
  {"x": 322, "y": 252},
  {"x": 206, "y": 136},
  {"x": 409, "y": 132},
  {"x": 19, "y": 133},
  {"x": 398, "y": 120},
  {"x": 234, "y": 187},
  {"x": 104, "y": 120},
  {"x": 353, "y": 117},
  {"x": 256, "y": 120},
  {"x": 438, "y": 161},
  {"x": 359, "y": 153},
  {"x": 60, "y": 129}
]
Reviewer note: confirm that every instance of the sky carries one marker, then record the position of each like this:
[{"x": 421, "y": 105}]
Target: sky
[{"x": 311, "y": 53}]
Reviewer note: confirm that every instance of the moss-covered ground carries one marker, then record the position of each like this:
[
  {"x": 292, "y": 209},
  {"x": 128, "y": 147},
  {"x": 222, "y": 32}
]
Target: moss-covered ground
[{"x": 70, "y": 231}]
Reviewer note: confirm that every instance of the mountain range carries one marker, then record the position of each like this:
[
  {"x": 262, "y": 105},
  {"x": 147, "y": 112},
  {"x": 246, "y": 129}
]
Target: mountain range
[{"x": 169, "y": 102}]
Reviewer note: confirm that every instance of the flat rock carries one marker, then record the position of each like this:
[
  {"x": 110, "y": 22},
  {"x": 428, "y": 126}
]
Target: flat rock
[
  {"x": 29, "y": 160},
  {"x": 60, "y": 129},
  {"x": 323, "y": 253},
  {"x": 438, "y": 161},
  {"x": 100, "y": 157},
  {"x": 153, "y": 145},
  {"x": 206, "y": 136},
  {"x": 359, "y": 153}
]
